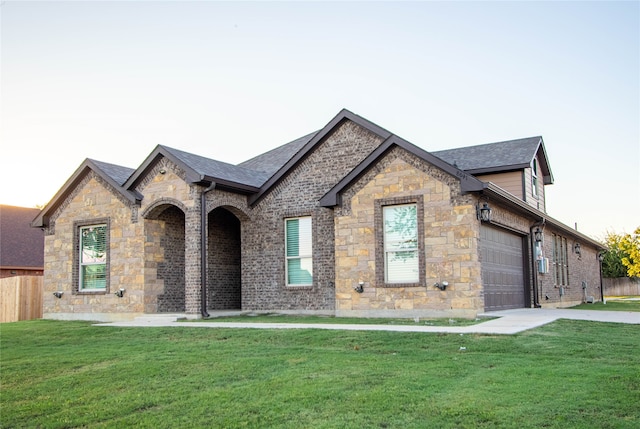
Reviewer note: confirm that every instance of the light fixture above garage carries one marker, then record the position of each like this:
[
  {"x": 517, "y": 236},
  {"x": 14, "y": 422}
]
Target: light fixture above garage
[{"x": 484, "y": 212}]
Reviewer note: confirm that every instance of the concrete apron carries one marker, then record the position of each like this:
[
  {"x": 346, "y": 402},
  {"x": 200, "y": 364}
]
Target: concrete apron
[{"x": 506, "y": 322}]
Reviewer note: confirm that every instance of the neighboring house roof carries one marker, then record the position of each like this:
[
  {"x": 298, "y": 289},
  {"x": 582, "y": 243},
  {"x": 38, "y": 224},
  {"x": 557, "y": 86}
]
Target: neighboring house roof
[
  {"x": 20, "y": 245},
  {"x": 499, "y": 157}
]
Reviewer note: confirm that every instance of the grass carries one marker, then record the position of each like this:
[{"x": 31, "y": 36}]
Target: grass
[
  {"x": 611, "y": 305},
  {"x": 283, "y": 318},
  {"x": 569, "y": 374}
]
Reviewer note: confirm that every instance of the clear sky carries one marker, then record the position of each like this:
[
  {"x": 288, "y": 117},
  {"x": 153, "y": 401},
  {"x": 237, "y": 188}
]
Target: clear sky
[{"x": 230, "y": 80}]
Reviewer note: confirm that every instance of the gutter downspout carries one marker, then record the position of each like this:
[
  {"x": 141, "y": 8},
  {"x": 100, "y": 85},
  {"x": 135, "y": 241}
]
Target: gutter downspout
[{"x": 203, "y": 250}]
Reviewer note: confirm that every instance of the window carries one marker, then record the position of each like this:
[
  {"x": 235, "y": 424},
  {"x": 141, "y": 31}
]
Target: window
[
  {"x": 92, "y": 262},
  {"x": 560, "y": 261},
  {"x": 401, "y": 260},
  {"x": 534, "y": 177},
  {"x": 299, "y": 261}
]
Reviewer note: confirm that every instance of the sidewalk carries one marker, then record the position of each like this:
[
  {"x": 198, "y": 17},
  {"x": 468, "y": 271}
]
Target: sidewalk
[{"x": 507, "y": 322}]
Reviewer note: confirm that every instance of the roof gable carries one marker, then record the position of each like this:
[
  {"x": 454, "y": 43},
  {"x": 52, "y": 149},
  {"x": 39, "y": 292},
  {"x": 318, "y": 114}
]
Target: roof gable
[
  {"x": 499, "y": 157},
  {"x": 468, "y": 183},
  {"x": 202, "y": 170},
  {"x": 314, "y": 142},
  {"x": 113, "y": 174}
]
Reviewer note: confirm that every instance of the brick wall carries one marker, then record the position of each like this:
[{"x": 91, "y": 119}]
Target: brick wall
[
  {"x": 263, "y": 276},
  {"x": 172, "y": 268},
  {"x": 224, "y": 270}
]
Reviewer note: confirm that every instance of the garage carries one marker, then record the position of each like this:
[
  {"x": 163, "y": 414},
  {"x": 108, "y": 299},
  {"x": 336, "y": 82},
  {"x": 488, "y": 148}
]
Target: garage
[{"x": 503, "y": 276}]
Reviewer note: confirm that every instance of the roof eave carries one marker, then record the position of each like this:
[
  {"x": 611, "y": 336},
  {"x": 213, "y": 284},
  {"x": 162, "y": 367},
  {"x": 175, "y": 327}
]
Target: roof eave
[
  {"x": 494, "y": 191},
  {"x": 468, "y": 183}
]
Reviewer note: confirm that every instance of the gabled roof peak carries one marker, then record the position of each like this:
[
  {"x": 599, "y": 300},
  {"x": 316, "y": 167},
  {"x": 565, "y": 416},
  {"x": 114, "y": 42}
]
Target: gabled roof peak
[{"x": 499, "y": 156}]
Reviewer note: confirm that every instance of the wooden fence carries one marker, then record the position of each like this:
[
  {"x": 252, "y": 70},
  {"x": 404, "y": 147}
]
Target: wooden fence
[
  {"x": 622, "y": 286},
  {"x": 21, "y": 298}
]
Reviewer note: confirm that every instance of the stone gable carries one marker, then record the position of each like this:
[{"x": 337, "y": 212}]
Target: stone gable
[{"x": 450, "y": 243}]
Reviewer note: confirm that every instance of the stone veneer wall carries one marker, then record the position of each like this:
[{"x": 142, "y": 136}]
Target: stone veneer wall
[
  {"x": 450, "y": 244},
  {"x": 94, "y": 199},
  {"x": 263, "y": 276},
  {"x": 162, "y": 187}
]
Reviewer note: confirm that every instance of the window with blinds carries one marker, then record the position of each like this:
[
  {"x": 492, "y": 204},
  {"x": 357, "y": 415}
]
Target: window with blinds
[
  {"x": 298, "y": 257},
  {"x": 93, "y": 257},
  {"x": 560, "y": 260},
  {"x": 401, "y": 262}
]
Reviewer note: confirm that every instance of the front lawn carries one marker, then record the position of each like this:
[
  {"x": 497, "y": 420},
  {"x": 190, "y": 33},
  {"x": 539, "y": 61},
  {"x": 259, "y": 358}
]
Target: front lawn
[
  {"x": 611, "y": 305},
  {"x": 285, "y": 318},
  {"x": 569, "y": 374}
]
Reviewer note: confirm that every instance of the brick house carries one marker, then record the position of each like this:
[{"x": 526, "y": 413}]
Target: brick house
[
  {"x": 21, "y": 247},
  {"x": 350, "y": 220}
]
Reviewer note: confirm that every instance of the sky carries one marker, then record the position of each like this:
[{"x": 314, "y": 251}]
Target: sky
[{"x": 230, "y": 80}]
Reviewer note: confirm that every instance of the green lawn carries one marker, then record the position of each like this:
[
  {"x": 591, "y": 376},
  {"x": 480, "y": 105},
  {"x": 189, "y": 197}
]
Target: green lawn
[
  {"x": 611, "y": 305},
  {"x": 284, "y": 318},
  {"x": 569, "y": 374}
]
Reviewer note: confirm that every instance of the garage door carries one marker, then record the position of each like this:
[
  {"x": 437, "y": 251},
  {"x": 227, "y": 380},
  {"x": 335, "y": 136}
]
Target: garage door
[{"x": 502, "y": 269}]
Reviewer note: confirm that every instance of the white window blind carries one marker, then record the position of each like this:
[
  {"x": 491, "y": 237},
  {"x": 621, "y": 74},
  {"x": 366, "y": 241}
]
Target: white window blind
[
  {"x": 93, "y": 257},
  {"x": 299, "y": 261},
  {"x": 401, "y": 243}
]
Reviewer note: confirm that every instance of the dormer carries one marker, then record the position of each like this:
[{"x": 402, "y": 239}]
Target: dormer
[{"x": 520, "y": 167}]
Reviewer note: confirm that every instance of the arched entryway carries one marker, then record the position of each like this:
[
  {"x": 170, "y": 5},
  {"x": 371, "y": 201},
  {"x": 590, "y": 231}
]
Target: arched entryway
[
  {"x": 224, "y": 281},
  {"x": 165, "y": 257}
]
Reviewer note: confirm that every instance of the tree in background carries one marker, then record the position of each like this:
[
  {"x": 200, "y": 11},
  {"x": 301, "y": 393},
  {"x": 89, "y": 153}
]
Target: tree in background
[
  {"x": 631, "y": 246},
  {"x": 622, "y": 257}
]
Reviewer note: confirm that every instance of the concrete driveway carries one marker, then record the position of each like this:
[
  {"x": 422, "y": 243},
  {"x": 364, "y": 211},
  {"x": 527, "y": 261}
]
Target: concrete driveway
[{"x": 506, "y": 322}]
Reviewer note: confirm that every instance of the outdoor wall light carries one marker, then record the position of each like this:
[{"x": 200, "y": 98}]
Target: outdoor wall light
[
  {"x": 359, "y": 288},
  {"x": 119, "y": 293},
  {"x": 537, "y": 235},
  {"x": 58, "y": 294},
  {"x": 577, "y": 250},
  {"x": 442, "y": 286},
  {"x": 484, "y": 213}
]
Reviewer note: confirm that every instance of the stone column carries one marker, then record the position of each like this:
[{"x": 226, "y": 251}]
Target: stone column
[{"x": 192, "y": 249}]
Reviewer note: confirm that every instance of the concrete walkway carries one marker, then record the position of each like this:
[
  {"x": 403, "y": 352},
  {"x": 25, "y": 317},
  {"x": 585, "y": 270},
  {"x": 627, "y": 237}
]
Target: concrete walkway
[{"x": 506, "y": 322}]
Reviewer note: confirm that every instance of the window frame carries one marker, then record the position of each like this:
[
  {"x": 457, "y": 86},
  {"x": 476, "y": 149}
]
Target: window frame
[
  {"x": 534, "y": 178},
  {"x": 77, "y": 257},
  {"x": 300, "y": 257},
  {"x": 380, "y": 255},
  {"x": 560, "y": 261}
]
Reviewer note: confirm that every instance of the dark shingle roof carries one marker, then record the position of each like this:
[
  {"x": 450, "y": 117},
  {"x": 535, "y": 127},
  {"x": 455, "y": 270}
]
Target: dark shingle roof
[
  {"x": 490, "y": 157},
  {"x": 20, "y": 245},
  {"x": 270, "y": 162},
  {"x": 218, "y": 169},
  {"x": 118, "y": 173}
]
